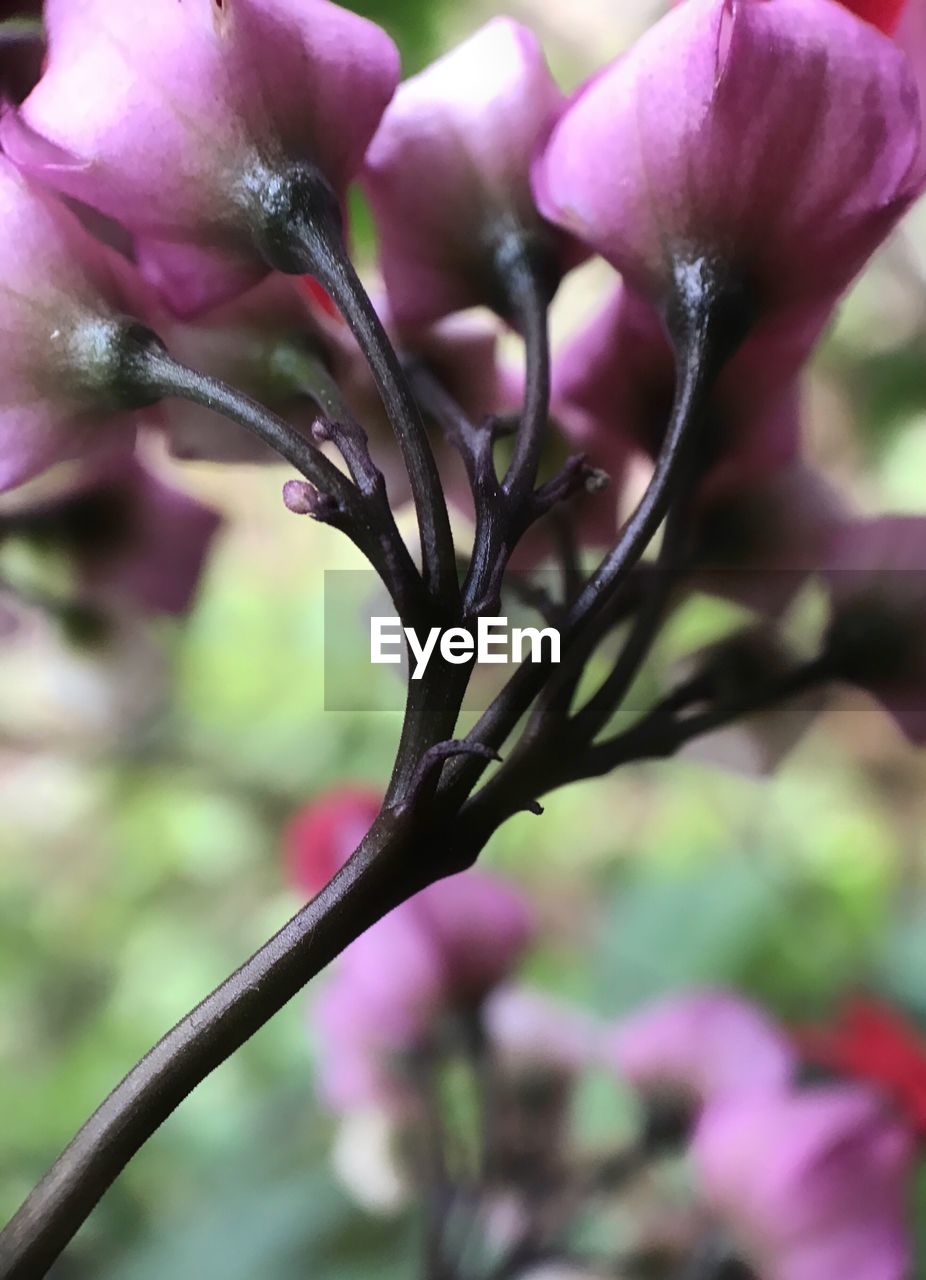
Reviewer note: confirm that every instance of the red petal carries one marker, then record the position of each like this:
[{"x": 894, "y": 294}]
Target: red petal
[
  {"x": 872, "y": 1041},
  {"x": 318, "y": 296},
  {"x": 884, "y": 14}
]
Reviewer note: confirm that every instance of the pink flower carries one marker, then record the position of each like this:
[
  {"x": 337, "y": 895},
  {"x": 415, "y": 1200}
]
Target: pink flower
[
  {"x": 686, "y": 150},
  {"x": 127, "y": 536},
  {"x": 448, "y": 173},
  {"x": 443, "y": 951},
  {"x": 320, "y": 838},
  {"x": 184, "y": 120},
  {"x": 810, "y": 1185},
  {"x": 462, "y": 352},
  {"x": 876, "y": 571},
  {"x": 910, "y": 33},
  {"x": 528, "y": 1028},
  {"x": 379, "y": 1005},
  {"x": 63, "y": 394},
  {"x": 614, "y": 383},
  {"x": 701, "y": 1045},
  {"x": 481, "y": 926},
  {"x": 757, "y": 535}
]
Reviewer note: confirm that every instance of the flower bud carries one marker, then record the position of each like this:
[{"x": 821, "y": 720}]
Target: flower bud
[
  {"x": 201, "y": 124},
  {"x": 701, "y": 1045},
  {"x": 124, "y": 537},
  {"x": 448, "y": 175},
  {"x": 685, "y": 150},
  {"x": 68, "y": 376},
  {"x": 440, "y": 953}
]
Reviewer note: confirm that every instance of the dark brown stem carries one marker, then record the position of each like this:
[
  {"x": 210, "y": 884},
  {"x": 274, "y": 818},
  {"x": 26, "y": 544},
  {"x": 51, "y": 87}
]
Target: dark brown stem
[
  {"x": 364, "y": 516},
  {"x": 311, "y": 240},
  {"x": 386, "y": 869}
]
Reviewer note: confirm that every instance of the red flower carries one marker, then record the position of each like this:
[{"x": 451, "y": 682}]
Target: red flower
[
  {"x": 884, "y": 14},
  {"x": 872, "y": 1041},
  {"x": 320, "y": 837}
]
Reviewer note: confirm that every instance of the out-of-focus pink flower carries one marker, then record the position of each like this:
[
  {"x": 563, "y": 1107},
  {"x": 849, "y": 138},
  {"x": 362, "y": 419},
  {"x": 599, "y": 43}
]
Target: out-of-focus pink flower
[
  {"x": 377, "y": 1008},
  {"x": 192, "y": 114},
  {"x": 481, "y": 926},
  {"x": 530, "y": 1029},
  {"x": 320, "y": 838},
  {"x": 700, "y": 1046},
  {"x": 876, "y": 572},
  {"x": 62, "y": 306},
  {"x": 614, "y": 383},
  {"x": 448, "y": 173},
  {"x": 126, "y": 536},
  {"x": 810, "y": 1185},
  {"x": 442, "y": 951},
  {"x": 462, "y": 353},
  {"x": 758, "y": 536},
  {"x": 685, "y": 150},
  {"x": 910, "y": 34}
]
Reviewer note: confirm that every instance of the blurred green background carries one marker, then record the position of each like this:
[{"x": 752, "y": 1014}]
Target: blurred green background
[{"x": 142, "y": 801}]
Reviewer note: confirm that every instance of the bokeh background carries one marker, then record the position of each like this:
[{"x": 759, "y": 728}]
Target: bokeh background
[{"x": 142, "y": 797}]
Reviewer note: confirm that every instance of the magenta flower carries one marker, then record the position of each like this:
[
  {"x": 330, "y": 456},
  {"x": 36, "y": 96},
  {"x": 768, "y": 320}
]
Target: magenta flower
[
  {"x": 127, "y": 537},
  {"x": 442, "y": 951},
  {"x": 481, "y": 926},
  {"x": 876, "y": 572},
  {"x": 701, "y": 1045},
  {"x": 686, "y": 150},
  {"x": 192, "y": 114},
  {"x": 448, "y": 173},
  {"x": 62, "y": 303},
  {"x": 811, "y": 1185},
  {"x": 614, "y": 383}
]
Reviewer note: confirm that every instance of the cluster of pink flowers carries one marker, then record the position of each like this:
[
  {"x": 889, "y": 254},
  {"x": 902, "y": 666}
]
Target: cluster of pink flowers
[
  {"x": 198, "y": 122},
  {"x": 170, "y": 174},
  {"x": 800, "y": 1181}
]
